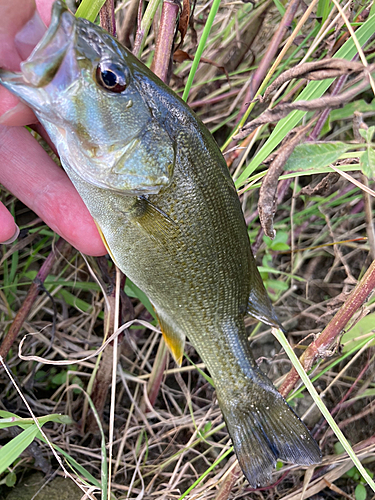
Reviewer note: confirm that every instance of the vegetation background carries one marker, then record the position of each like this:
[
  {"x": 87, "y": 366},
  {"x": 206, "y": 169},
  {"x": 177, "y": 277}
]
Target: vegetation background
[{"x": 157, "y": 432}]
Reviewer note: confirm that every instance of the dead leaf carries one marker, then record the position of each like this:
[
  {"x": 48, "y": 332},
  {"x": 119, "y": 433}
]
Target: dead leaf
[
  {"x": 267, "y": 192},
  {"x": 184, "y": 20},
  {"x": 322, "y": 187},
  {"x": 317, "y": 70},
  {"x": 321, "y": 103}
]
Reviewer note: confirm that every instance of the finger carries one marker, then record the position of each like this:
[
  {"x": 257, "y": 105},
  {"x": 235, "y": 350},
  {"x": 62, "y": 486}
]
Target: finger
[
  {"x": 44, "y": 8},
  {"x": 13, "y": 16},
  {"x": 44, "y": 187},
  {"x": 8, "y": 228},
  {"x": 21, "y": 27},
  {"x": 15, "y": 46}
]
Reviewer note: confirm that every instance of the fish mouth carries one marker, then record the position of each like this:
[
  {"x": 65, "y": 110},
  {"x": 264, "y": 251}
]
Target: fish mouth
[
  {"x": 46, "y": 58},
  {"x": 44, "y": 62}
]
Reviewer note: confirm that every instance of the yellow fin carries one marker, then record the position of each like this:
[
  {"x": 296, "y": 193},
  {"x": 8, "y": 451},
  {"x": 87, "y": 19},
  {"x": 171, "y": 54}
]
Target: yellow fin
[
  {"x": 174, "y": 338},
  {"x": 105, "y": 243}
]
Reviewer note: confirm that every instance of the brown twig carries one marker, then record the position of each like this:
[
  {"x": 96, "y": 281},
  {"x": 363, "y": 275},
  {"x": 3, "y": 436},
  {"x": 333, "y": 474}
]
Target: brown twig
[
  {"x": 30, "y": 298},
  {"x": 160, "y": 66},
  {"x": 126, "y": 28},
  {"x": 228, "y": 483},
  {"x": 166, "y": 35},
  {"x": 154, "y": 382},
  {"x": 140, "y": 31},
  {"x": 273, "y": 47},
  {"x": 326, "y": 339},
  {"x": 265, "y": 63},
  {"x": 107, "y": 17}
]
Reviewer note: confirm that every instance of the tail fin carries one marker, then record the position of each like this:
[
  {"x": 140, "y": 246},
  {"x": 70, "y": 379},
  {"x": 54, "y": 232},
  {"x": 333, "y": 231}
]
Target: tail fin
[{"x": 264, "y": 428}]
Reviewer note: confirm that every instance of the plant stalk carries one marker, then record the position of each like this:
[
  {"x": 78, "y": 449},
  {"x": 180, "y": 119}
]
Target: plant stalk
[
  {"x": 31, "y": 296},
  {"x": 326, "y": 339}
]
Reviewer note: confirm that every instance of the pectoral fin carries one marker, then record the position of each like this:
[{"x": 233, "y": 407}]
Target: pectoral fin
[
  {"x": 157, "y": 224},
  {"x": 174, "y": 338}
]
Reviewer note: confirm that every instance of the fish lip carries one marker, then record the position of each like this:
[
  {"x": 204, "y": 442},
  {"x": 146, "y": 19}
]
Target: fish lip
[
  {"x": 44, "y": 61},
  {"x": 40, "y": 69}
]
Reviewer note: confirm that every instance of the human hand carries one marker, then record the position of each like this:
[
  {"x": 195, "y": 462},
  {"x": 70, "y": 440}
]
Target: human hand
[{"x": 26, "y": 170}]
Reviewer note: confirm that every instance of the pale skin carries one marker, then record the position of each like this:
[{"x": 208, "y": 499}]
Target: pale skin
[{"x": 25, "y": 168}]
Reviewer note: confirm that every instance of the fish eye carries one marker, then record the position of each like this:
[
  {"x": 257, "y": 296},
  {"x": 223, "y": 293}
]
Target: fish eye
[{"x": 111, "y": 77}]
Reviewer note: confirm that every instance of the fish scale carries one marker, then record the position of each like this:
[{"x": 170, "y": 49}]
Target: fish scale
[{"x": 159, "y": 190}]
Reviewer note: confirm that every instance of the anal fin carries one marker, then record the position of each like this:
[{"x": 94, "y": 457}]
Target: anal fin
[{"x": 174, "y": 338}]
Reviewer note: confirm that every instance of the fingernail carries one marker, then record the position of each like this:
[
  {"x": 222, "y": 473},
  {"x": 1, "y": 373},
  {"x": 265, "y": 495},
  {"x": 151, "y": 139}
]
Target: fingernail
[
  {"x": 20, "y": 114},
  {"x": 13, "y": 238},
  {"x": 29, "y": 35}
]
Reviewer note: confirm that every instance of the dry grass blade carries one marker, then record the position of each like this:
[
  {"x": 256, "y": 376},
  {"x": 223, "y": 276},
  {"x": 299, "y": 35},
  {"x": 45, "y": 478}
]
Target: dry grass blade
[
  {"x": 89, "y": 356},
  {"x": 339, "y": 468}
]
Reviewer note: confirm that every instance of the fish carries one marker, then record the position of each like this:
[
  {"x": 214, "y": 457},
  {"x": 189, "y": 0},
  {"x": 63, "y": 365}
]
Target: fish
[{"x": 159, "y": 190}]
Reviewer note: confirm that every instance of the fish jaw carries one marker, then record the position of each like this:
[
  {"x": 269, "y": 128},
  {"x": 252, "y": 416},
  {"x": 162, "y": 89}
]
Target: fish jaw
[
  {"x": 103, "y": 136},
  {"x": 44, "y": 61}
]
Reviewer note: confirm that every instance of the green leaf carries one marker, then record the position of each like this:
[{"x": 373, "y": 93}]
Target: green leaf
[
  {"x": 360, "y": 492},
  {"x": 363, "y": 133},
  {"x": 367, "y": 162},
  {"x": 318, "y": 401},
  {"x": 370, "y": 133},
  {"x": 78, "y": 303},
  {"x": 368, "y": 393},
  {"x": 63, "y": 419},
  {"x": 279, "y": 465},
  {"x": 133, "y": 291},
  {"x": 348, "y": 110},
  {"x": 207, "y": 427},
  {"x": 11, "y": 479},
  {"x": 89, "y": 9},
  {"x": 280, "y": 7},
  {"x": 204, "y": 375},
  {"x": 338, "y": 447},
  {"x": 279, "y": 242},
  {"x": 79, "y": 468},
  {"x": 313, "y": 156},
  {"x": 10, "y": 419},
  {"x": 13, "y": 449},
  {"x": 360, "y": 331},
  {"x": 59, "y": 378},
  {"x": 200, "y": 48}
]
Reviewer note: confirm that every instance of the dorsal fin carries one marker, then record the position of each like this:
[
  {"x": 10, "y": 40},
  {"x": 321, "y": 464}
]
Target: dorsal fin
[{"x": 259, "y": 305}]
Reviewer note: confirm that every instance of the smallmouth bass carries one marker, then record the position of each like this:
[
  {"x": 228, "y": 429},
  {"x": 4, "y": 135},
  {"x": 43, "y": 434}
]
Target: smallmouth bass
[{"x": 156, "y": 183}]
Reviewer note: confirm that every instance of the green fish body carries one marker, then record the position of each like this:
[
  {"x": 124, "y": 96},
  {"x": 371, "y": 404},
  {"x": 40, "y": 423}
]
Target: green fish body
[{"x": 160, "y": 192}]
